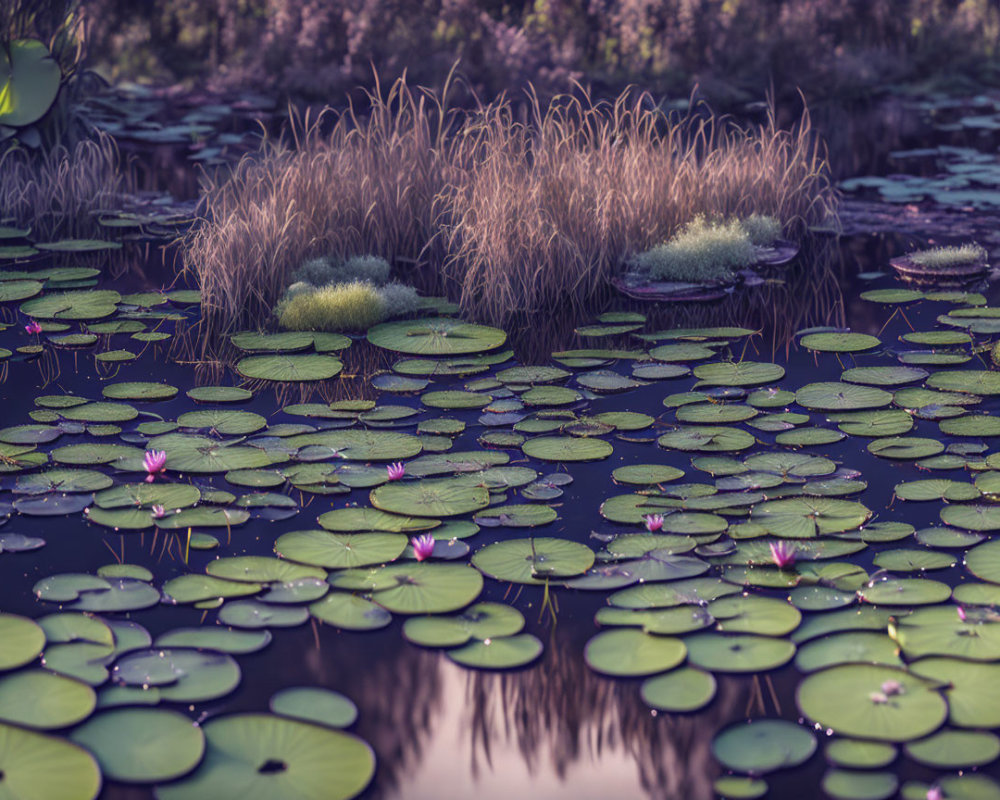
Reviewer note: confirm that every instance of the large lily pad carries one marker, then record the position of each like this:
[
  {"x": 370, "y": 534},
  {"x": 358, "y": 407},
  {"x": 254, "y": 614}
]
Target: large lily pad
[
  {"x": 534, "y": 560},
  {"x": 39, "y": 767},
  {"x": 263, "y": 756},
  {"x": 142, "y": 745},
  {"x": 438, "y": 336},
  {"x": 872, "y": 702},
  {"x": 446, "y": 497}
]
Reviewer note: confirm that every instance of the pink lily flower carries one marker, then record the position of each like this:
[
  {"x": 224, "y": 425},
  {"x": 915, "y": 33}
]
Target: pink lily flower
[
  {"x": 423, "y": 546},
  {"x": 961, "y": 613},
  {"x": 783, "y": 554},
  {"x": 935, "y": 793},
  {"x": 33, "y": 327},
  {"x": 396, "y": 471},
  {"x": 654, "y": 522},
  {"x": 158, "y": 512},
  {"x": 154, "y": 462}
]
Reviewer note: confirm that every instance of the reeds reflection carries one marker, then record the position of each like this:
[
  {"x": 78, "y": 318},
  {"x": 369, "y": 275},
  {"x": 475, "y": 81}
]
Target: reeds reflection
[
  {"x": 554, "y": 730},
  {"x": 807, "y": 294}
]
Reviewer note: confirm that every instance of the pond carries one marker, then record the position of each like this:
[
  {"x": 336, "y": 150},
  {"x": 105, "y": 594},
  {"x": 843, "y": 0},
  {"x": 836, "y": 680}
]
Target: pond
[{"x": 680, "y": 550}]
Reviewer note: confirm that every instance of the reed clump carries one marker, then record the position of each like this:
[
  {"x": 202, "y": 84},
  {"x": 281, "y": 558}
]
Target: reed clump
[
  {"x": 505, "y": 211},
  {"x": 57, "y": 192}
]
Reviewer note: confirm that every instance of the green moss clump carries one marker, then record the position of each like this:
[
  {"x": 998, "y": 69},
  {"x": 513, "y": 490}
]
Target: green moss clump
[
  {"x": 354, "y": 306},
  {"x": 944, "y": 257},
  {"x": 761, "y": 229},
  {"x": 702, "y": 251}
]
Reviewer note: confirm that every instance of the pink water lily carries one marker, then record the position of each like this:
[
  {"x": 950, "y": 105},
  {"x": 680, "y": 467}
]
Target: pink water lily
[
  {"x": 33, "y": 327},
  {"x": 890, "y": 688},
  {"x": 154, "y": 462},
  {"x": 961, "y": 613},
  {"x": 935, "y": 793},
  {"x": 423, "y": 546},
  {"x": 158, "y": 512},
  {"x": 654, "y": 522},
  {"x": 396, "y": 471},
  {"x": 783, "y": 554}
]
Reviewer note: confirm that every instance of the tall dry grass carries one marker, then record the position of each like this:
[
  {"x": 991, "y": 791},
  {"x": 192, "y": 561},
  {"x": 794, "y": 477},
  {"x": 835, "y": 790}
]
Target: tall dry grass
[
  {"x": 515, "y": 213},
  {"x": 366, "y": 186},
  {"x": 550, "y": 209},
  {"x": 57, "y": 192}
]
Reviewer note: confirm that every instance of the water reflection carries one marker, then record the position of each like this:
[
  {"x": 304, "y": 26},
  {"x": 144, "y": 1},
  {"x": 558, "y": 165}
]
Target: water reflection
[
  {"x": 555, "y": 730},
  {"x": 808, "y": 294}
]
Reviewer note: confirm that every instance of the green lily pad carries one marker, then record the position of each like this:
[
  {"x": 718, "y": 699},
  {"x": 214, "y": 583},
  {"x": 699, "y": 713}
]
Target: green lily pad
[
  {"x": 737, "y": 653},
  {"x": 290, "y": 368},
  {"x": 426, "y": 588},
  {"x": 269, "y": 756},
  {"x": 350, "y": 612},
  {"x": 40, "y": 767},
  {"x": 680, "y": 690},
  {"x": 738, "y": 373},
  {"x": 85, "y": 305},
  {"x": 567, "y": 448},
  {"x": 445, "y": 497},
  {"x": 501, "y": 652},
  {"x": 951, "y": 749},
  {"x": 142, "y": 745},
  {"x": 313, "y": 704},
  {"x": 21, "y": 640},
  {"x": 853, "y": 700},
  {"x": 438, "y": 336},
  {"x": 30, "y": 78},
  {"x": 839, "y": 342},
  {"x": 182, "y": 675},
  {"x": 845, "y": 784},
  {"x": 37, "y": 698},
  {"x": 333, "y": 550},
  {"x": 971, "y": 688},
  {"x": 534, "y": 560},
  {"x": 832, "y": 396},
  {"x": 629, "y": 652},
  {"x": 764, "y": 745},
  {"x": 979, "y": 382}
]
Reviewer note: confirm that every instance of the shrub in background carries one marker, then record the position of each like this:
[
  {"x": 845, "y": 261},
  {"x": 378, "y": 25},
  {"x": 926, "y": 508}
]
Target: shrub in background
[
  {"x": 398, "y": 299},
  {"x": 734, "y": 50},
  {"x": 325, "y": 269}
]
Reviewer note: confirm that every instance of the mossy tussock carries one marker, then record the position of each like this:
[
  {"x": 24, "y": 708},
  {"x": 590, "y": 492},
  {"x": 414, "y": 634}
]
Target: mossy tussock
[
  {"x": 708, "y": 250},
  {"x": 944, "y": 258}
]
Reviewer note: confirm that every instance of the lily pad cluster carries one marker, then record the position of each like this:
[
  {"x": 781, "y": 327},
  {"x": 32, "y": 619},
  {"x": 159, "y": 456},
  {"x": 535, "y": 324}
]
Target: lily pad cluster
[{"x": 736, "y": 534}]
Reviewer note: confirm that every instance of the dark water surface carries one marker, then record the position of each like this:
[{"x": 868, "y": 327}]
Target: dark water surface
[{"x": 555, "y": 729}]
